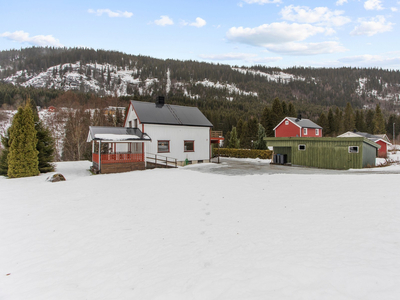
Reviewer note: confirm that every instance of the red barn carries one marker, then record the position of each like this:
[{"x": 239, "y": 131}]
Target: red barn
[{"x": 297, "y": 127}]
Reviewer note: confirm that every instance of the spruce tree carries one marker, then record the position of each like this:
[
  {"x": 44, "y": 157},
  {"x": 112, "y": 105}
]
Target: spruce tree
[
  {"x": 323, "y": 122},
  {"x": 331, "y": 124},
  {"x": 370, "y": 121},
  {"x": 348, "y": 121},
  {"x": 379, "y": 121},
  {"x": 23, "y": 156},
  {"x": 260, "y": 143},
  {"x": 234, "y": 142},
  {"x": 277, "y": 113},
  {"x": 5, "y": 140}
]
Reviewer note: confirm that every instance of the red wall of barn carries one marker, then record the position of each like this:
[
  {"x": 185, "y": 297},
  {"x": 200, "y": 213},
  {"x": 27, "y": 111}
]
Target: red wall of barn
[{"x": 383, "y": 151}]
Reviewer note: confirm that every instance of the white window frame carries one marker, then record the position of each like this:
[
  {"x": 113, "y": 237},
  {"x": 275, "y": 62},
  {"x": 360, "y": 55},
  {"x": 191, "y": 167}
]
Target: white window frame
[
  {"x": 354, "y": 148},
  {"x": 305, "y": 131},
  {"x": 286, "y": 122},
  {"x": 317, "y": 131},
  {"x": 301, "y": 145}
]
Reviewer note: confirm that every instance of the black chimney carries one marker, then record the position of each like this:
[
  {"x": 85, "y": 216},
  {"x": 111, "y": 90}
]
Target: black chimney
[
  {"x": 298, "y": 117},
  {"x": 160, "y": 100}
]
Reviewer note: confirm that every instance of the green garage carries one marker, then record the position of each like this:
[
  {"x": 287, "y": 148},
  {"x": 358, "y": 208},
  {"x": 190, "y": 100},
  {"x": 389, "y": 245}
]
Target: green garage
[{"x": 326, "y": 153}]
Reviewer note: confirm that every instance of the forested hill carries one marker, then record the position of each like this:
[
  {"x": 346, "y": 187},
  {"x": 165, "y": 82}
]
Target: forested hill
[{"x": 118, "y": 74}]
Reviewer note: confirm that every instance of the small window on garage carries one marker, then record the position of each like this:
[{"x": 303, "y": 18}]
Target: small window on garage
[
  {"x": 353, "y": 149},
  {"x": 302, "y": 147}
]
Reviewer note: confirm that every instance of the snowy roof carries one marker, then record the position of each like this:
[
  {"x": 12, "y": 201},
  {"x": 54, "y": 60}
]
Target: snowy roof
[
  {"x": 116, "y": 134},
  {"x": 167, "y": 114}
]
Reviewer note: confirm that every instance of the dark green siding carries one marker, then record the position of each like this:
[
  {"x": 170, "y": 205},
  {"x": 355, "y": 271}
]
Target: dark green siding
[{"x": 327, "y": 153}]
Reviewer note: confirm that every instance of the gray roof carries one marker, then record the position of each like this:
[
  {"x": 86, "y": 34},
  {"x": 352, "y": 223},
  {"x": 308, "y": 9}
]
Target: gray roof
[
  {"x": 304, "y": 123},
  {"x": 116, "y": 134},
  {"x": 167, "y": 114},
  {"x": 371, "y": 137}
]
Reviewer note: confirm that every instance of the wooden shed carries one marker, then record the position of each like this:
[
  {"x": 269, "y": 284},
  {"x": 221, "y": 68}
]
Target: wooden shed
[{"x": 326, "y": 153}]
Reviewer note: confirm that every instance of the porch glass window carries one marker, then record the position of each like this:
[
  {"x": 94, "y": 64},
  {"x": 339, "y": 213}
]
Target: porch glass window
[
  {"x": 189, "y": 146},
  {"x": 163, "y": 146}
]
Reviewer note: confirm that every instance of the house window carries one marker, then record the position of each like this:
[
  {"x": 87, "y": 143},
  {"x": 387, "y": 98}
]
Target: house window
[
  {"x": 189, "y": 146},
  {"x": 163, "y": 147},
  {"x": 317, "y": 131},
  {"x": 353, "y": 149},
  {"x": 304, "y": 131},
  {"x": 135, "y": 123},
  {"x": 302, "y": 147},
  {"x": 286, "y": 122},
  {"x": 130, "y": 124}
]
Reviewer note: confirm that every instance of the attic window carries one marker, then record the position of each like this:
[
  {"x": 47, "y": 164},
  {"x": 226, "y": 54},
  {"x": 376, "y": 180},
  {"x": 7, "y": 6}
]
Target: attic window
[
  {"x": 286, "y": 122},
  {"x": 353, "y": 149},
  {"x": 302, "y": 147}
]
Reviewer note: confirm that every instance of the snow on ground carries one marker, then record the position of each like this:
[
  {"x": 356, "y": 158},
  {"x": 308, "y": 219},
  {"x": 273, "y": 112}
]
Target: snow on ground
[{"x": 182, "y": 234}]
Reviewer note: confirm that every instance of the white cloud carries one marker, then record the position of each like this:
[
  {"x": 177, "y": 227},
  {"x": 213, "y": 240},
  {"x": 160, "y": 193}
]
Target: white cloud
[
  {"x": 274, "y": 33},
  {"x": 199, "y": 23},
  {"x": 37, "y": 40},
  {"x": 248, "y": 57},
  {"x": 394, "y": 9},
  {"x": 110, "y": 13},
  {"x": 371, "y": 60},
  {"x": 373, "y": 5},
  {"x": 372, "y": 26},
  {"x": 306, "y": 48},
  {"x": 164, "y": 20},
  {"x": 319, "y": 15},
  {"x": 262, "y": 2},
  {"x": 340, "y": 2}
]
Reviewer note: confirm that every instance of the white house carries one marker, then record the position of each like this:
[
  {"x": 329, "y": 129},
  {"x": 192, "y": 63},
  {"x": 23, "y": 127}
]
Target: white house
[{"x": 177, "y": 132}]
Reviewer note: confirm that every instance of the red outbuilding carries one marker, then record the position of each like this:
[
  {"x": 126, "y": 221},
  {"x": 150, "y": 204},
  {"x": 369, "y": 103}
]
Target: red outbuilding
[{"x": 297, "y": 127}]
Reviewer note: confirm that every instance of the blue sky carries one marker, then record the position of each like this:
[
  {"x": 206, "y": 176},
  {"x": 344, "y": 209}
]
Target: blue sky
[{"x": 281, "y": 33}]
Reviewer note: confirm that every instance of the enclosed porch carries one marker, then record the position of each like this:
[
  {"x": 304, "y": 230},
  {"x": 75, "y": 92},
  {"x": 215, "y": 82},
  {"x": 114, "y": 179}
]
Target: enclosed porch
[{"x": 117, "y": 149}]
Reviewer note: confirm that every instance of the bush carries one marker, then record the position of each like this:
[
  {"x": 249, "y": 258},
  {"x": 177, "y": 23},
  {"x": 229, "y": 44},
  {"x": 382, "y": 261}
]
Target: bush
[{"x": 243, "y": 153}]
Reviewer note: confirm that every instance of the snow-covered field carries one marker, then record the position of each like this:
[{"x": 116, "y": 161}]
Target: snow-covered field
[{"x": 183, "y": 234}]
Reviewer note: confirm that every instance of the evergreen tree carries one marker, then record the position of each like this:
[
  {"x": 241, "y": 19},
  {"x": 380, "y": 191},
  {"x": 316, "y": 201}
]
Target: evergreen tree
[
  {"x": 369, "y": 121},
  {"x": 379, "y": 121},
  {"x": 234, "y": 142},
  {"x": 323, "y": 122},
  {"x": 260, "y": 143},
  {"x": 291, "y": 110},
  {"x": 276, "y": 113},
  {"x": 245, "y": 137},
  {"x": 331, "y": 123},
  {"x": 360, "y": 121},
  {"x": 45, "y": 147},
  {"x": 5, "y": 140},
  {"x": 239, "y": 127},
  {"x": 253, "y": 130},
  {"x": 266, "y": 121},
  {"x": 23, "y": 156},
  {"x": 348, "y": 121}
]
